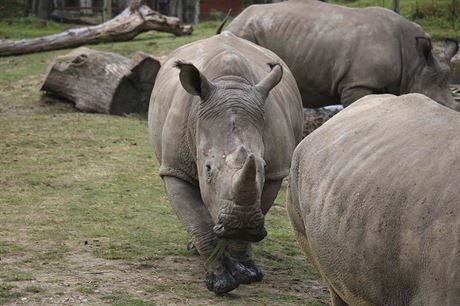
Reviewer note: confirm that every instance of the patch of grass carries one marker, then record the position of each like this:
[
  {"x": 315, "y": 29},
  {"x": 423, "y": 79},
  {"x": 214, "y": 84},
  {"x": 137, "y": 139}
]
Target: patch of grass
[
  {"x": 29, "y": 27},
  {"x": 86, "y": 290},
  {"x": 183, "y": 291},
  {"x": 9, "y": 248},
  {"x": 19, "y": 276},
  {"x": 8, "y": 293},
  {"x": 435, "y": 17},
  {"x": 124, "y": 251},
  {"x": 124, "y": 299},
  {"x": 34, "y": 289}
]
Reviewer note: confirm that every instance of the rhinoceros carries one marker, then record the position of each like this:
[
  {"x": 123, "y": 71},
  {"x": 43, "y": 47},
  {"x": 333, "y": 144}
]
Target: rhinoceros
[
  {"x": 224, "y": 126},
  {"x": 376, "y": 209},
  {"x": 338, "y": 54}
]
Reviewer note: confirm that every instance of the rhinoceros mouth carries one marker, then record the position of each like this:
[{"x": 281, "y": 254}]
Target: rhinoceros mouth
[{"x": 247, "y": 234}]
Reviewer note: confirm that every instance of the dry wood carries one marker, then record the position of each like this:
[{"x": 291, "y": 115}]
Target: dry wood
[
  {"x": 103, "y": 82},
  {"x": 315, "y": 117},
  {"x": 127, "y": 25}
]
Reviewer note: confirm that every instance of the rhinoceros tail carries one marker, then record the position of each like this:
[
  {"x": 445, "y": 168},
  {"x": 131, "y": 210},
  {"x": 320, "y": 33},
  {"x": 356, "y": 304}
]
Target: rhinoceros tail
[
  {"x": 274, "y": 64},
  {"x": 224, "y": 21}
]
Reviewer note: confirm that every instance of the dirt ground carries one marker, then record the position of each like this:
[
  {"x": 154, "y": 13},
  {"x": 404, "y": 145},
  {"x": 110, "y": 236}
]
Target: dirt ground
[{"x": 83, "y": 279}]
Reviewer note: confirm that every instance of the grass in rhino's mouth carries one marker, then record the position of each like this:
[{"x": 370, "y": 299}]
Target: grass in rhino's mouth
[{"x": 217, "y": 253}]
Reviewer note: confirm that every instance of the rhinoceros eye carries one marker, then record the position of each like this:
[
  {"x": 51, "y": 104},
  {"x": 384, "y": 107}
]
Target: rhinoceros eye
[{"x": 208, "y": 172}]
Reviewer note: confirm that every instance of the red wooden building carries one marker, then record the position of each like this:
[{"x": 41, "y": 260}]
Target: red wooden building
[{"x": 207, "y": 7}]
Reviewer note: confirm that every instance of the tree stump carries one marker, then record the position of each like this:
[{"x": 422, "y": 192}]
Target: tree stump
[
  {"x": 315, "y": 117},
  {"x": 103, "y": 82}
]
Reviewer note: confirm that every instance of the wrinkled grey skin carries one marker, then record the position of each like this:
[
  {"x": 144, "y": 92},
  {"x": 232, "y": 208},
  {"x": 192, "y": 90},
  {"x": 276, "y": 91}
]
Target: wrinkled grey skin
[
  {"x": 339, "y": 54},
  {"x": 376, "y": 209},
  {"x": 224, "y": 126}
]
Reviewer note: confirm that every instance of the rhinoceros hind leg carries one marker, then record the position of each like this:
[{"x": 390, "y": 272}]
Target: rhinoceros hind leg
[
  {"x": 350, "y": 95},
  {"x": 220, "y": 281}
]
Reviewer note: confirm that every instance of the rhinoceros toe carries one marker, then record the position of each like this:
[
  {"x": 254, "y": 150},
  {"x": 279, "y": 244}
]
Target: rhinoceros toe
[
  {"x": 221, "y": 283},
  {"x": 245, "y": 272},
  {"x": 256, "y": 273}
]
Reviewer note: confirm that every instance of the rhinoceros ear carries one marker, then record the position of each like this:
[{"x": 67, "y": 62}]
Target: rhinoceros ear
[
  {"x": 450, "y": 48},
  {"x": 424, "y": 48},
  {"x": 192, "y": 80},
  {"x": 271, "y": 80}
]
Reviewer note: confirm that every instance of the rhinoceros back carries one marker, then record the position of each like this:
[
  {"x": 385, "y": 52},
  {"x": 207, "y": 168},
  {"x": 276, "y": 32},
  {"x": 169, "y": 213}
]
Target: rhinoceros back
[
  {"x": 330, "y": 48},
  {"x": 377, "y": 188}
]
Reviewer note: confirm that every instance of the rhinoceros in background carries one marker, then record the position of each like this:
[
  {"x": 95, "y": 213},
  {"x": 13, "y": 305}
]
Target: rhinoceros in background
[
  {"x": 224, "y": 127},
  {"x": 338, "y": 54},
  {"x": 376, "y": 209}
]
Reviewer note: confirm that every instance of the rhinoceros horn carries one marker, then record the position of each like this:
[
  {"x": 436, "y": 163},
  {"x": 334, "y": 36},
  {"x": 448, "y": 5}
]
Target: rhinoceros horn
[
  {"x": 450, "y": 48},
  {"x": 244, "y": 183}
]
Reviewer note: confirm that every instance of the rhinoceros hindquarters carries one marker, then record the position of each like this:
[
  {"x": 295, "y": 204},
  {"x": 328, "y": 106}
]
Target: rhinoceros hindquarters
[{"x": 376, "y": 209}]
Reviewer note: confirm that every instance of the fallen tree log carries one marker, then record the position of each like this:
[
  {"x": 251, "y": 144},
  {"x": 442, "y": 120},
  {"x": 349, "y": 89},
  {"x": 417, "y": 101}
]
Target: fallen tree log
[
  {"x": 315, "y": 117},
  {"x": 128, "y": 24},
  {"x": 103, "y": 82}
]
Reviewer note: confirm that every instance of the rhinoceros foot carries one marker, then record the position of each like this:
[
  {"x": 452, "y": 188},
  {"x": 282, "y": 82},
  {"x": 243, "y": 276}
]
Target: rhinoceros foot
[
  {"x": 245, "y": 272},
  {"x": 220, "y": 281},
  {"x": 257, "y": 273}
]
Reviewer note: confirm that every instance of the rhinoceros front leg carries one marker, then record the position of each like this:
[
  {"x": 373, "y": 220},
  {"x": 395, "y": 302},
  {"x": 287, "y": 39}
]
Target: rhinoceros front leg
[
  {"x": 239, "y": 258},
  {"x": 189, "y": 207}
]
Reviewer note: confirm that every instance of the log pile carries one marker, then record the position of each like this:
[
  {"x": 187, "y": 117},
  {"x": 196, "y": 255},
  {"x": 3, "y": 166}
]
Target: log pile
[
  {"x": 103, "y": 82},
  {"x": 128, "y": 24}
]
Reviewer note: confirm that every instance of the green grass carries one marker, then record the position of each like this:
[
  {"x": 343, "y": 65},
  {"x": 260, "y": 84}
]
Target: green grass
[
  {"x": 34, "y": 289},
  {"x": 86, "y": 290},
  {"x": 433, "y": 15},
  {"x": 19, "y": 276},
  {"x": 8, "y": 293},
  {"x": 9, "y": 248},
  {"x": 30, "y": 27},
  {"x": 124, "y": 299}
]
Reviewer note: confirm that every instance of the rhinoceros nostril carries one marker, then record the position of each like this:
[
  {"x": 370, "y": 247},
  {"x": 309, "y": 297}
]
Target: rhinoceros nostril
[
  {"x": 219, "y": 229},
  {"x": 261, "y": 235}
]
